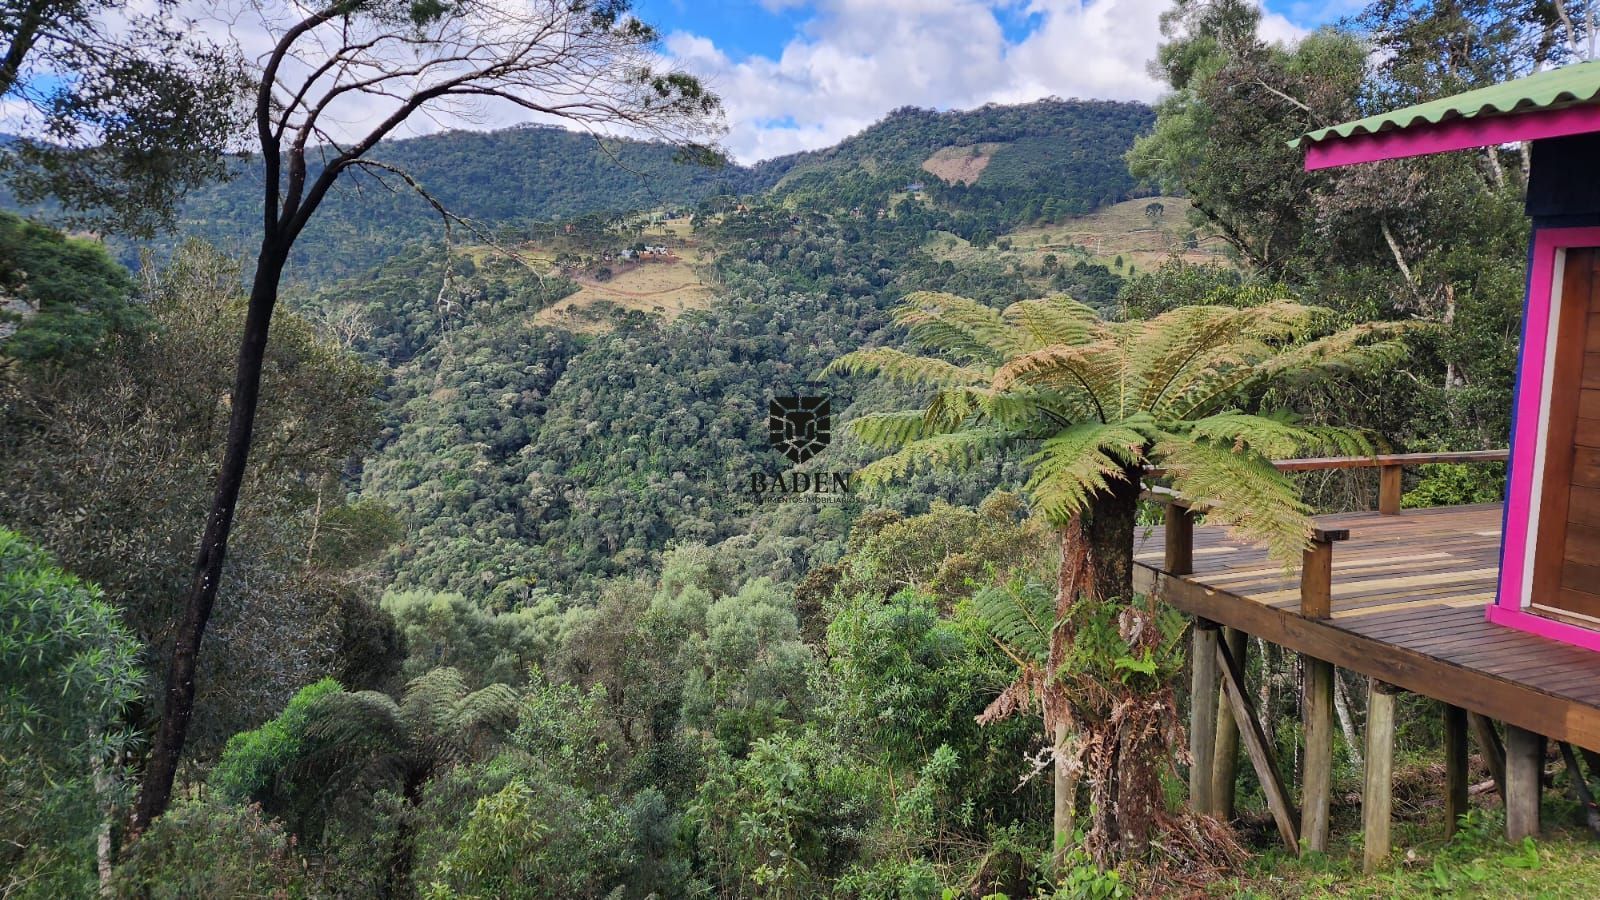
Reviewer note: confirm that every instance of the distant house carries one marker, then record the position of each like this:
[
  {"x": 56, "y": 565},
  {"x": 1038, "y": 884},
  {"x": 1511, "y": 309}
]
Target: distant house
[{"x": 914, "y": 187}]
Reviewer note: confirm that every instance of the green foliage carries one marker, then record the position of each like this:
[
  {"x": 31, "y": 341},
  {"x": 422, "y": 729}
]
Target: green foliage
[
  {"x": 1449, "y": 484},
  {"x": 147, "y": 114},
  {"x": 69, "y": 673},
  {"x": 60, "y": 297},
  {"x": 785, "y": 820},
  {"x": 1098, "y": 400},
  {"x": 253, "y": 760},
  {"x": 109, "y": 464},
  {"x": 517, "y": 843},
  {"x": 204, "y": 849},
  {"x": 486, "y": 647}
]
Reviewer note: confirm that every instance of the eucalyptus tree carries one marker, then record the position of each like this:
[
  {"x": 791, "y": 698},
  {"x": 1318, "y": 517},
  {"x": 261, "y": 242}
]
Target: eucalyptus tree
[
  {"x": 1088, "y": 405},
  {"x": 586, "y": 62}
]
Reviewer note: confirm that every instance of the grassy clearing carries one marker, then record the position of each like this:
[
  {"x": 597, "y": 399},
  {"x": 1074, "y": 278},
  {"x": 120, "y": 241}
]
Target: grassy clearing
[
  {"x": 960, "y": 164},
  {"x": 1122, "y": 231},
  {"x": 666, "y": 288}
]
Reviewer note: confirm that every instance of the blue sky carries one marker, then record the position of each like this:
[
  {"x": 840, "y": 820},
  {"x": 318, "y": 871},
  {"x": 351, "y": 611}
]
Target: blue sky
[{"x": 799, "y": 74}]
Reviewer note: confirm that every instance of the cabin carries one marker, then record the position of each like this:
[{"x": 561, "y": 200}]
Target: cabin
[{"x": 1493, "y": 611}]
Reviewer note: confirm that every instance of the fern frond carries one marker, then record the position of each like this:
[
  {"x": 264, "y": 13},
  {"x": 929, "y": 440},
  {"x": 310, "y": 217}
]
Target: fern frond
[
  {"x": 1359, "y": 347},
  {"x": 884, "y": 431},
  {"x": 1079, "y": 462},
  {"x": 1274, "y": 437},
  {"x": 1091, "y": 372},
  {"x": 1260, "y": 502},
  {"x": 1053, "y": 321},
  {"x": 941, "y": 451},
  {"x": 1019, "y": 619},
  {"x": 356, "y": 725},
  {"x": 957, "y": 326},
  {"x": 904, "y": 368}
]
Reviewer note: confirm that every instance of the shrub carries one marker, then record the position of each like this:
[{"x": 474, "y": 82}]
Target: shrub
[{"x": 214, "y": 850}]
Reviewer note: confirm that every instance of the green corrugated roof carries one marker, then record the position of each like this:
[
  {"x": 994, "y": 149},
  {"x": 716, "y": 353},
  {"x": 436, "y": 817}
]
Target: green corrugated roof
[{"x": 1568, "y": 86}]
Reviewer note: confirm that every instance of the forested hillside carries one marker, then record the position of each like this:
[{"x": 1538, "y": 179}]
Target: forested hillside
[
  {"x": 523, "y": 600},
  {"x": 1059, "y": 158}
]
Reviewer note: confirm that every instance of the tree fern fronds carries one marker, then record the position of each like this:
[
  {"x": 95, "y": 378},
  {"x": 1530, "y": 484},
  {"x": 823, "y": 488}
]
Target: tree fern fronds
[
  {"x": 947, "y": 409},
  {"x": 1189, "y": 338},
  {"x": 955, "y": 450},
  {"x": 1017, "y": 617},
  {"x": 957, "y": 325},
  {"x": 355, "y": 724},
  {"x": 1262, "y": 504},
  {"x": 1050, "y": 321},
  {"x": 1358, "y": 347},
  {"x": 430, "y": 700},
  {"x": 893, "y": 429},
  {"x": 1092, "y": 370},
  {"x": 1270, "y": 436},
  {"x": 905, "y": 368},
  {"x": 1081, "y": 461}
]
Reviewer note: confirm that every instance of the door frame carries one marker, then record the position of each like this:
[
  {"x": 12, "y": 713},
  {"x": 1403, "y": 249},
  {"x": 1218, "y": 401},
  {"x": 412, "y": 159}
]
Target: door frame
[{"x": 1530, "y": 424}]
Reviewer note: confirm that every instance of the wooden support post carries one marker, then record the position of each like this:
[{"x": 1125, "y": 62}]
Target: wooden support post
[
  {"x": 1389, "y": 490},
  {"x": 1180, "y": 540},
  {"x": 1524, "y": 774},
  {"x": 1316, "y": 572},
  {"x": 1494, "y": 753},
  {"x": 1316, "y": 602},
  {"x": 1455, "y": 767},
  {"x": 1260, "y": 752},
  {"x": 1226, "y": 772},
  {"x": 1202, "y": 714},
  {"x": 1316, "y": 792},
  {"x": 1377, "y": 795}
]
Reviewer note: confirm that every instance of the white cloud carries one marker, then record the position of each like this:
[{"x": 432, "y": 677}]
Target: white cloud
[
  {"x": 850, "y": 62},
  {"x": 855, "y": 60}
]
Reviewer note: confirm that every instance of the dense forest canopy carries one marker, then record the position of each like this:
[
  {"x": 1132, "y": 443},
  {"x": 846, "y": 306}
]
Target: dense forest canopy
[{"x": 504, "y": 613}]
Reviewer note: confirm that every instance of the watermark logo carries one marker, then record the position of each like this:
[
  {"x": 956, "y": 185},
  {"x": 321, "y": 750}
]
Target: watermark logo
[{"x": 799, "y": 427}]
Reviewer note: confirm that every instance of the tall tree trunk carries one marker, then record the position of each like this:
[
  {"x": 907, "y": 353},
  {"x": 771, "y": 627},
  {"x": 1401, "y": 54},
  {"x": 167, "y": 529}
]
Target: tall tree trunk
[{"x": 178, "y": 699}]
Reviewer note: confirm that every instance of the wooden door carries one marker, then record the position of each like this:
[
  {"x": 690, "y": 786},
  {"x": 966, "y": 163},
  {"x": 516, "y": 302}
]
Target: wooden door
[{"x": 1566, "y": 572}]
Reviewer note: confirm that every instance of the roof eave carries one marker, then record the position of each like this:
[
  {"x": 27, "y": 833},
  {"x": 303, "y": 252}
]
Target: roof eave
[{"x": 1452, "y": 134}]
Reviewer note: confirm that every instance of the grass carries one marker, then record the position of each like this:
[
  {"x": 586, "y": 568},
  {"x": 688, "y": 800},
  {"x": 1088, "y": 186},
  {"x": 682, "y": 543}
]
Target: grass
[
  {"x": 1477, "y": 862},
  {"x": 663, "y": 288},
  {"x": 1121, "y": 230}
]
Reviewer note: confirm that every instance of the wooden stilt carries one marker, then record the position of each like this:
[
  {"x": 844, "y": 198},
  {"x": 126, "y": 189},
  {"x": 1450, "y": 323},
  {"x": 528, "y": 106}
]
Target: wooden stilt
[
  {"x": 1455, "y": 767},
  {"x": 1259, "y": 751},
  {"x": 1317, "y": 790},
  {"x": 1524, "y": 772},
  {"x": 1494, "y": 753},
  {"x": 1225, "y": 774},
  {"x": 1202, "y": 715},
  {"x": 1377, "y": 796}
]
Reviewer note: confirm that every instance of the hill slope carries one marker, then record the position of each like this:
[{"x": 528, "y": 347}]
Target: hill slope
[{"x": 1042, "y": 159}]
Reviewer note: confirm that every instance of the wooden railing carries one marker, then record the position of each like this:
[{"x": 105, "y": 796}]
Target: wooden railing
[{"x": 1316, "y": 579}]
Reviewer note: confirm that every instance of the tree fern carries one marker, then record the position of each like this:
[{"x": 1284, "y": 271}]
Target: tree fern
[{"x": 1096, "y": 400}]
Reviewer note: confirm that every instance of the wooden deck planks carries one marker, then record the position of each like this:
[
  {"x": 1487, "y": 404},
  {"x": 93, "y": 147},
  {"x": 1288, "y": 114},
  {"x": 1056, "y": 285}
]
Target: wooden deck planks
[{"x": 1408, "y": 608}]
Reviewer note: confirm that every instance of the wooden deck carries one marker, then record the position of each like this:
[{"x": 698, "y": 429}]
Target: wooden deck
[{"x": 1409, "y": 592}]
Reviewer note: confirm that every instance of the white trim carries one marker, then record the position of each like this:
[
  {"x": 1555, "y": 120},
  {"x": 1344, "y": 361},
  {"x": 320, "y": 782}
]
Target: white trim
[{"x": 1546, "y": 388}]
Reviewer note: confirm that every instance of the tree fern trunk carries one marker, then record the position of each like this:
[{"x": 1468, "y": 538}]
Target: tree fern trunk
[{"x": 1110, "y": 529}]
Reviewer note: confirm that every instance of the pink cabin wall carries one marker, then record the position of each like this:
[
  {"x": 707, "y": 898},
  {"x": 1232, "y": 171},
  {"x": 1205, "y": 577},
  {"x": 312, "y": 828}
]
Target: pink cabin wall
[{"x": 1527, "y": 441}]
